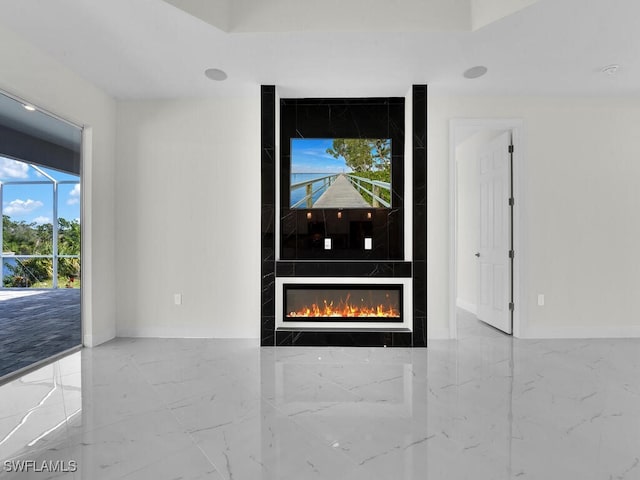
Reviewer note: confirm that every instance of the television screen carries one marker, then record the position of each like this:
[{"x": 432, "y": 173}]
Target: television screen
[{"x": 340, "y": 173}]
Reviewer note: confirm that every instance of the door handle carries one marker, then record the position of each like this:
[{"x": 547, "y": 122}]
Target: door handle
[{"x": 478, "y": 254}]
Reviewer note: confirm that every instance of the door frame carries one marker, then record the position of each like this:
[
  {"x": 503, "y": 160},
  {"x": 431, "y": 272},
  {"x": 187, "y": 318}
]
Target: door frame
[
  {"x": 516, "y": 126},
  {"x": 86, "y": 316}
]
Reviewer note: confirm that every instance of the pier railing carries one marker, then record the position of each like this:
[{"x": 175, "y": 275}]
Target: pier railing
[
  {"x": 322, "y": 184},
  {"x": 373, "y": 188}
]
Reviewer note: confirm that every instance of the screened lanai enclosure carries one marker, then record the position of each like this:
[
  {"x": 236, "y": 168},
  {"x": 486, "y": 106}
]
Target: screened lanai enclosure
[
  {"x": 41, "y": 226},
  {"x": 40, "y": 196}
]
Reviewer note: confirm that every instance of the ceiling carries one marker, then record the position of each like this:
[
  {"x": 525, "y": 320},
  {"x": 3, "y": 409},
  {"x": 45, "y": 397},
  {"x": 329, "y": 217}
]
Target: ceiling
[
  {"x": 137, "y": 49},
  {"x": 349, "y": 15},
  {"x": 39, "y": 124}
]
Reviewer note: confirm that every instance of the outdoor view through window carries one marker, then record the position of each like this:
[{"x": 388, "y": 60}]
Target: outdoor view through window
[
  {"x": 40, "y": 197},
  {"x": 36, "y": 203}
]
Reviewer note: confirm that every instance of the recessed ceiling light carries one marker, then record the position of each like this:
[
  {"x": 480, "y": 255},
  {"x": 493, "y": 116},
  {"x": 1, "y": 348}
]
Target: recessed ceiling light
[
  {"x": 475, "y": 72},
  {"x": 31, "y": 108},
  {"x": 215, "y": 74},
  {"x": 610, "y": 69}
]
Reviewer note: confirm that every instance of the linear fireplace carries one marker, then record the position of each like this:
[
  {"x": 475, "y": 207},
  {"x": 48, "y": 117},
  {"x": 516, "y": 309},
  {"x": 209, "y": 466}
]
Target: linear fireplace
[
  {"x": 343, "y": 303},
  {"x": 354, "y": 303}
]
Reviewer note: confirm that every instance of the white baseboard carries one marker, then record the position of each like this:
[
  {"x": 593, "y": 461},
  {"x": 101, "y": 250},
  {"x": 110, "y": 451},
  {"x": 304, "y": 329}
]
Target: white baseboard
[
  {"x": 162, "y": 332},
  {"x": 95, "y": 340},
  {"x": 468, "y": 306},
  {"x": 581, "y": 332}
]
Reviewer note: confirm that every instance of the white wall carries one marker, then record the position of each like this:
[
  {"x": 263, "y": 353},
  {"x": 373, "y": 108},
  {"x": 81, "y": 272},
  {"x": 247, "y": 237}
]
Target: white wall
[
  {"x": 582, "y": 197},
  {"x": 35, "y": 77},
  {"x": 187, "y": 224},
  {"x": 188, "y": 202}
]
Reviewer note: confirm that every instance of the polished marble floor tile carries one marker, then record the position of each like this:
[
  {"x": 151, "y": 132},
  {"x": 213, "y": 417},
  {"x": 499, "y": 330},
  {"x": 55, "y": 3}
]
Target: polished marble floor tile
[{"x": 483, "y": 407}]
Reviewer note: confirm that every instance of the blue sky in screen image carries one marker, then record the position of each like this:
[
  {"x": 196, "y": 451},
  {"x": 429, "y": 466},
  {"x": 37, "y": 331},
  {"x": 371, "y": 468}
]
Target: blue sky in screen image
[
  {"x": 309, "y": 155},
  {"x": 33, "y": 203}
]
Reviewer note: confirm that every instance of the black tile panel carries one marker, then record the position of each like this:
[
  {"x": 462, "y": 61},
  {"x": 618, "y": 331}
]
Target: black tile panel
[
  {"x": 267, "y": 296},
  {"x": 401, "y": 339},
  {"x": 420, "y": 233},
  {"x": 343, "y": 269},
  {"x": 419, "y": 331},
  {"x": 419, "y": 177},
  {"x": 267, "y": 331},
  {"x": 395, "y": 228},
  {"x": 268, "y": 253},
  {"x": 267, "y": 220},
  {"x": 351, "y": 118},
  {"x": 268, "y": 116},
  {"x": 305, "y": 230},
  {"x": 420, "y": 194},
  {"x": 420, "y": 288},
  {"x": 268, "y": 216},
  {"x": 343, "y": 118},
  {"x": 419, "y": 116},
  {"x": 343, "y": 339},
  {"x": 419, "y": 124}
]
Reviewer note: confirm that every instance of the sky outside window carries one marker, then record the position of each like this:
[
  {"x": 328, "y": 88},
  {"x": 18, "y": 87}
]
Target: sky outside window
[{"x": 33, "y": 203}]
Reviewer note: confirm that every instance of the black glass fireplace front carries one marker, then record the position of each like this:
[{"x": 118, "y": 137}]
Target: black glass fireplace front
[{"x": 337, "y": 302}]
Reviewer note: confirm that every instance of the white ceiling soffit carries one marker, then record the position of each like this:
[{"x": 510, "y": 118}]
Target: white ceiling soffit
[
  {"x": 214, "y": 12},
  {"x": 484, "y": 12},
  {"x": 349, "y": 15}
]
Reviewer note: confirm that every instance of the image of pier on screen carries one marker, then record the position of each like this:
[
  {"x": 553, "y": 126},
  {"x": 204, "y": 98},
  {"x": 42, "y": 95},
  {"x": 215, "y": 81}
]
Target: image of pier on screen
[{"x": 340, "y": 173}]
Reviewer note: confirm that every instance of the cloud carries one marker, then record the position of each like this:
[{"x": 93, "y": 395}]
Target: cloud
[
  {"x": 74, "y": 195},
  {"x": 315, "y": 152},
  {"x": 20, "y": 207},
  {"x": 41, "y": 220},
  {"x": 13, "y": 169}
]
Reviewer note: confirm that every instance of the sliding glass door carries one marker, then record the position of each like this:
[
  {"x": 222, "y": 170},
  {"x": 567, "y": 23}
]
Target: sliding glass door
[{"x": 40, "y": 198}]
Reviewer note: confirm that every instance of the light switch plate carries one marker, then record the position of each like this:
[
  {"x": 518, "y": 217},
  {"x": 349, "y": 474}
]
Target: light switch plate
[{"x": 368, "y": 243}]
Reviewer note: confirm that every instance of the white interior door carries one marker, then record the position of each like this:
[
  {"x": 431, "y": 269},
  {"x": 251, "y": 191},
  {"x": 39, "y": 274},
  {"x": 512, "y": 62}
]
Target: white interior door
[{"x": 494, "y": 269}]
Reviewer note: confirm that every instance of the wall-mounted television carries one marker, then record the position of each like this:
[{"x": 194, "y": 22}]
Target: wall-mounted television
[{"x": 340, "y": 173}]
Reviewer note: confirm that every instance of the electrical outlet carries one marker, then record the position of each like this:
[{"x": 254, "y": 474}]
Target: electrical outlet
[
  {"x": 327, "y": 244},
  {"x": 541, "y": 300},
  {"x": 368, "y": 243},
  {"x": 177, "y": 299}
]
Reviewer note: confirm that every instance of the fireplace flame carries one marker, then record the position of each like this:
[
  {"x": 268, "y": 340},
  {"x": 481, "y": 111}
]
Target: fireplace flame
[{"x": 345, "y": 309}]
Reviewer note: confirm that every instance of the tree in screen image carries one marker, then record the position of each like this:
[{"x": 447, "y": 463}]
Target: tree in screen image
[{"x": 363, "y": 154}]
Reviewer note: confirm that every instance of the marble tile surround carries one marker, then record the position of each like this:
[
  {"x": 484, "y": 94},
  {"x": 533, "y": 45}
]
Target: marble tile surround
[
  {"x": 334, "y": 125},
  {"x": 486, "y": 406}
]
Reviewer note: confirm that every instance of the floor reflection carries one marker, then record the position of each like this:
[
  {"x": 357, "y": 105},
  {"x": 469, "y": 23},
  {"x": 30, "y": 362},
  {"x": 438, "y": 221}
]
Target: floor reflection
[
  {"x": 364, "y": 408},
  {"x": 486, "y": 406},
  {"x": 35, "y": 409}
]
